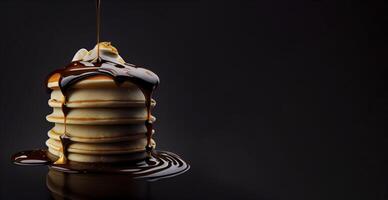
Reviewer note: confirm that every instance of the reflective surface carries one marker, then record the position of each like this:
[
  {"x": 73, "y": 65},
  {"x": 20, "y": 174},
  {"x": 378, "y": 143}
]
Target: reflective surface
[
  {"x": 43, "y": 183},
  {"x": 64, "y": 185}
]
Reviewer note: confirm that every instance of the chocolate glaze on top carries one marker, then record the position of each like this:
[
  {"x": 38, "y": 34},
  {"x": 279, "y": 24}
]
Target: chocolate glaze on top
[{"x": 77, "y": 71}]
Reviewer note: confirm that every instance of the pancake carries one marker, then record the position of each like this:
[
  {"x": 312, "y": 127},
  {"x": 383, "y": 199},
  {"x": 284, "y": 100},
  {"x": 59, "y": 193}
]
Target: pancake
[
  {"x": 99, "y": 116},
  {"x": 99, "y": 134},
  {"x": 100, "y": 91},
  {"x": 100, "y": 148}
]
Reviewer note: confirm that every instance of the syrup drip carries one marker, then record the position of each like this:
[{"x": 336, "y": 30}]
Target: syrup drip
[{"x": 64, "y": 138}]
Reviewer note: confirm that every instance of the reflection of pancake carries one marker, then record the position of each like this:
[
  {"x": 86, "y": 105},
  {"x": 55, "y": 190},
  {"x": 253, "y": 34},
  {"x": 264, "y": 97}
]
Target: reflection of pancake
[
  {"x": 105, "y": 122},
  {"x": 94, "y": 186}
]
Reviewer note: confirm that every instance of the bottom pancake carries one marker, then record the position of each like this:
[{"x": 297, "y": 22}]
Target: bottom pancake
[
  {"x": 88, "y": 158},
  {"x": 101, "y": 152}
]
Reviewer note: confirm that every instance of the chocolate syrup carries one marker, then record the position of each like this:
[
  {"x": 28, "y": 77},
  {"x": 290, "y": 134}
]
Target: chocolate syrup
[
  {"x": 159, "y": 165},
  {"x": 98, "y": 25}
]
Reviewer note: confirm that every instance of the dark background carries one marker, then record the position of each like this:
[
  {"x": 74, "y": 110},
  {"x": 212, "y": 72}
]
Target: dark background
[{"x": 265, "y": 99}]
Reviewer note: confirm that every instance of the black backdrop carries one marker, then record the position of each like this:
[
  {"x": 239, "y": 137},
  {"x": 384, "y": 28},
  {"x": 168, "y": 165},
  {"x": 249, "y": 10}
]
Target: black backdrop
[{"x": 265, "y": 99}]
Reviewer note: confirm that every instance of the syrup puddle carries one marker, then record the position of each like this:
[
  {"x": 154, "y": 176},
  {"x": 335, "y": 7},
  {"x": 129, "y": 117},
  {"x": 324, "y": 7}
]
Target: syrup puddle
[{"x": 159, "y": 165}]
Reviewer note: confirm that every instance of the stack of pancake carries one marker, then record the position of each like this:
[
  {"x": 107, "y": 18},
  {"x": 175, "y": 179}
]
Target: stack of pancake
[{"x": 105, "y": 122}]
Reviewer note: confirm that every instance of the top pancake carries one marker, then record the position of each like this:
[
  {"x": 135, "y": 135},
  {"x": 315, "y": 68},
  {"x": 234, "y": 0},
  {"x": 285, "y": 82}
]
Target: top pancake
[
  {"x": 97, "y": 91},
  {"x": 100, "y": 101}
]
